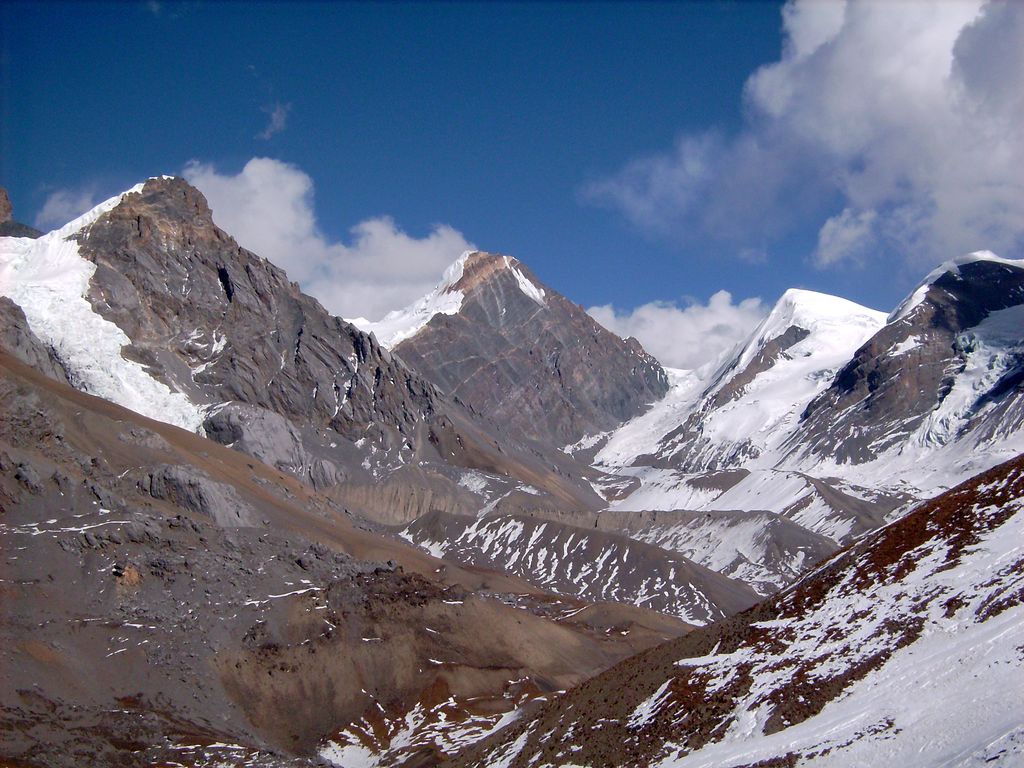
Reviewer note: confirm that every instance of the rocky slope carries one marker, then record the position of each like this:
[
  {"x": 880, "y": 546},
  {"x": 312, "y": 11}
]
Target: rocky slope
[
  {"x": 583, "y": 562},
  {"x": 147, "y": 303},
  {"x": 169, "y": 600},
  {"x": 508, "y": 346},
  {"x": 904, "y": 649}
]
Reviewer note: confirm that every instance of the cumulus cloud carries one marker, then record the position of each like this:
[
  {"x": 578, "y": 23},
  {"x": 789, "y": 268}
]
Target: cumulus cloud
[
  {"x": 278, "y": 119},
  {"x": 63, "y": 205},
  {"x": 892, "y": 128},
  {"x": 687, "y": 336},
  {"x": 268, "y": 208}
]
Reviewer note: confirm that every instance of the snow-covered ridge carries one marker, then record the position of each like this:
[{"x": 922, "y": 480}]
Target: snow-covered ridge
[
  {"x": 818, "y": 313},
  {"x": 903, "y": 650},
  {"x": 953, "y": 265},
  {"x": 401, "y": 324},
  {"x": 49, "y": 279},
  {"x": 767, "y": 409}
]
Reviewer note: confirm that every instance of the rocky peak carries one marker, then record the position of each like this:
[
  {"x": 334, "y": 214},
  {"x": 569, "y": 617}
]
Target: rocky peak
[
  {"x": 223, "y": 324},
  {"x": 929, "y": 372},
  {"x": 480, "y": 269},
  {"x": 499, "y": 340}
]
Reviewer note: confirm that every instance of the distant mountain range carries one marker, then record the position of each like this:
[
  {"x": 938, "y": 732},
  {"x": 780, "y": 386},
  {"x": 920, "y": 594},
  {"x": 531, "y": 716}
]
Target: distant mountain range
[{"x": 482, "y": 499}]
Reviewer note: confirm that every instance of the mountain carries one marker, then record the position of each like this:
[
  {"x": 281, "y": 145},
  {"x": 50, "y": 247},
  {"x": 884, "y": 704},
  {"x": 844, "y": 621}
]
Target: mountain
[
  {"x": 239, "y": 530},
  {"x": 144, "y": 302},
  {"x": 149, "y": 304},
  {"x": 753, "y": 402},
  {"x": 497, "y": 339},
  {"x": 903, "y": 649},
  {"x": 835, "y": 416},
  {"x": 169, "y": 600},
  {"x": 947, "y": 369}
]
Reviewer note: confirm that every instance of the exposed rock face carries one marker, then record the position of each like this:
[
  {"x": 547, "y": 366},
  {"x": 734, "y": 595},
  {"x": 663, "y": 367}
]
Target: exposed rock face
[
  {"x": 950, "y": 364},
  {"x": 226, "y": 325},
  {"x": 526, "y": 356},
  {"x": 278, "y": 376},
  {"x": 273, "y": 439},
  {"x": 6, "y": 210},
  {"x": 17, "y": 339},
  {"x": 194, "y": 491}
]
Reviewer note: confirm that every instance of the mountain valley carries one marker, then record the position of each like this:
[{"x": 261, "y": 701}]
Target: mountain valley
[{"x": 485, "y": 530}]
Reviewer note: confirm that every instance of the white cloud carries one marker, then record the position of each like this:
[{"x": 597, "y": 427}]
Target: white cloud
[
  {"x": 63, "y": 205},
  {"x": 846, "y": 237},
  {"x": 685, "y": 336},
  {"x": 278, "y": 114},
  {"x": 268, "y": 208},
  {"x": 892, "y": 127}
]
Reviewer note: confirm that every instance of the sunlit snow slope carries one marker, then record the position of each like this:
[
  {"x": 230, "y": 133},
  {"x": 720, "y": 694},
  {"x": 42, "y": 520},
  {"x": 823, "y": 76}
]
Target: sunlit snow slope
[
  {"x": 903, "y": 650},
  {"x": 836, "y": 416}
]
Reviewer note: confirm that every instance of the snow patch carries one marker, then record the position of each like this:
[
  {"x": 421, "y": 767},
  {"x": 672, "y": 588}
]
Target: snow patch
[{"x": 527, "y": 287}]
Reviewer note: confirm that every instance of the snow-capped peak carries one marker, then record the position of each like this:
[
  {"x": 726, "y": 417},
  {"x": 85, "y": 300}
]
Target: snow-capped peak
[
  {"x": 49, "y": 279},
  {"x": 454, "y": 272},
  {"x": 952, "y": 266},
  {"x": 401, "y": 324},
  {"x": 837, "y": 322}
]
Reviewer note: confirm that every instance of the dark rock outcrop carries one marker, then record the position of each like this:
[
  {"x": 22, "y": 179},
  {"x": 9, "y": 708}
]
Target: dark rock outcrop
[
  {"x": 17, "y": 339},
  {"x": 905, "y": 371},
  {"x": 192, "y": 490}
]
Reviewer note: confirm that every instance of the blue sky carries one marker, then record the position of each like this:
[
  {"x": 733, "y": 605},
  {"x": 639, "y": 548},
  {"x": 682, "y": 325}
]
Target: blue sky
[{"x": 629, "y": 153}]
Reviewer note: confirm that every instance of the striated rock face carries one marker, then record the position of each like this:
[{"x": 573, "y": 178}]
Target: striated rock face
[{"x": 525, "y": 355}]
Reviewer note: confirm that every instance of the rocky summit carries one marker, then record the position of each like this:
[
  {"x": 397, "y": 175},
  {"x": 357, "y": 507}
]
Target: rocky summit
[
  {"x": 236, "y": 529},
  {"x": 512, "y": 348}
]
